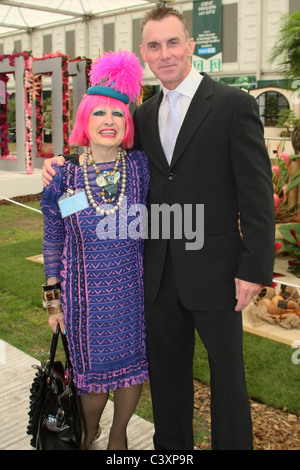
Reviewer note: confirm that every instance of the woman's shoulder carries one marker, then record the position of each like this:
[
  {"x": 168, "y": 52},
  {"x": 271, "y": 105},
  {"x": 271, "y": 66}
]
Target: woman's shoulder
[
  {"x": 137, "y": 156},
  {"x": 61, "y": 173}
]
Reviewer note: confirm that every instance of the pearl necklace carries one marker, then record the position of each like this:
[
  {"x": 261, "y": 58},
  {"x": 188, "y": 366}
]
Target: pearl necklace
[{"x": 99, "y": 210}]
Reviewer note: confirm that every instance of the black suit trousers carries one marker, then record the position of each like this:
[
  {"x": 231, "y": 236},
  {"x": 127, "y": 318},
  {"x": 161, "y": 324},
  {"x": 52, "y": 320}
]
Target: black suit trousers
[{"x": 171, "y": 334}]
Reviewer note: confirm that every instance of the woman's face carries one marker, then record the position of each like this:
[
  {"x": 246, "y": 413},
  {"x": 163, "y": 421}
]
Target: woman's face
[{"x": 107, "y": 126}]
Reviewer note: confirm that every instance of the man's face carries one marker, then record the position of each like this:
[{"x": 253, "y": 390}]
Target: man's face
[{"x": 167, "y": 51}]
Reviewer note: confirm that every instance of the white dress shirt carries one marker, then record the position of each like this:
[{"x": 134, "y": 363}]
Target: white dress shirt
[{"x": 187, "y": 88}]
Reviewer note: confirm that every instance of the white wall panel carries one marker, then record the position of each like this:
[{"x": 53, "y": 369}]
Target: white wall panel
[
  {"x": 272, "y": 12},
  {"x": 123, "y": 32},
  {"x": 96, "y": 41},
  {"x": 37, "y": 43},
  {"x": 58, "y": 39},
  {"x": 81, "y": 40},
  {"x": 248, "y": 31}
]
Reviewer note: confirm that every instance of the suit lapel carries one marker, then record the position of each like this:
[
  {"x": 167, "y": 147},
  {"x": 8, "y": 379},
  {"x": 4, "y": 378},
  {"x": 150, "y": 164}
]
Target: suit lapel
[
  {"x": 196, "y": 114},
  {"x": 158, "y": 154}
]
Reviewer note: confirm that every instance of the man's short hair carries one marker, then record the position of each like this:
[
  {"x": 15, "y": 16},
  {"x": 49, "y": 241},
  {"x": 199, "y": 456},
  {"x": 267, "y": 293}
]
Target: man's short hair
[{"x": 159, "y": 13}]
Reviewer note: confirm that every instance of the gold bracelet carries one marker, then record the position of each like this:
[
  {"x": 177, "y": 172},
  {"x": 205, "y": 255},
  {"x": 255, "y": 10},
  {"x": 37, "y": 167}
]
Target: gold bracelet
[
  {"x": 52, "y": 309},
  {"x": 53, "y": 294}
]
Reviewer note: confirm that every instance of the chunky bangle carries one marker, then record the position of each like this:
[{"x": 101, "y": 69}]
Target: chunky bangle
[
  {"x": 51, "y": 286},
  {"x": 52, "y": 309},
  {"x": 51, "y": 291},
  {"x": 51, "y": 295}
]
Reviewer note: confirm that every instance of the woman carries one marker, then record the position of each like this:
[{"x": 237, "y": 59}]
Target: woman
[{"x": 91, "y": 257}]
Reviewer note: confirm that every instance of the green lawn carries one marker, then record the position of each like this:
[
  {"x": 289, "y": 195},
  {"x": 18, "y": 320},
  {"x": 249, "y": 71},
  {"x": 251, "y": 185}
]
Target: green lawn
[{"x": 272, "y": 378}]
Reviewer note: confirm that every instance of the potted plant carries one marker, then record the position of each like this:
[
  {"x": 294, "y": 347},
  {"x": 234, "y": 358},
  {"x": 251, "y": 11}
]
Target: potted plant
[{"x": 287, "y": 119}]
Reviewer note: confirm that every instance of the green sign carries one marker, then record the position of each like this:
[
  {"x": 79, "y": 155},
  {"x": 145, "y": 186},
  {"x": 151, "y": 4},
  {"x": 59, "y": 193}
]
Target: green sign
[{"x": 207, "y": 32}]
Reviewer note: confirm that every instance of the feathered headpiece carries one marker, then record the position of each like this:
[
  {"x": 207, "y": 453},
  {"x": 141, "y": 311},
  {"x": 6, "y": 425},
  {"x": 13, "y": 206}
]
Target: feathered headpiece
[{"x": 118, "y": 75}]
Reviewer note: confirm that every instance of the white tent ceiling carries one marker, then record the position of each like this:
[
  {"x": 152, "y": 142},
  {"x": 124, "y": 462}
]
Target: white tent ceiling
[{"x": 28, "y": 14}]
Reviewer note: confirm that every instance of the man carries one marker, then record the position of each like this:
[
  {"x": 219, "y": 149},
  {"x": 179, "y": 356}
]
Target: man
[{"x": 219, "y": 162}]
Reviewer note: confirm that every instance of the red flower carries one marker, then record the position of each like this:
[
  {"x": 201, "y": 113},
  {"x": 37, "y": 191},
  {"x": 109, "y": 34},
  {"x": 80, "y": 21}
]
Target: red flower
[{"x": 292, "y": 231}]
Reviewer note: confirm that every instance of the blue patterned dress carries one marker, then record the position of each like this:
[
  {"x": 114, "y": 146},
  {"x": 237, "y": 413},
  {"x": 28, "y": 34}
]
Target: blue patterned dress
[{"x": 99, "y": 261}]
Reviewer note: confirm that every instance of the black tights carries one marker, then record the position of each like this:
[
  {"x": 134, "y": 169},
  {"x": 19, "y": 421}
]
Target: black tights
[{"x": 125, "y": 402}]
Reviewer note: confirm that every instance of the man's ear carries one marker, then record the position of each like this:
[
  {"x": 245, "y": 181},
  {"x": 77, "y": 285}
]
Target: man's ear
[
  {"x": 142, "y": 52},
  {"x": 191, "y": 47}
]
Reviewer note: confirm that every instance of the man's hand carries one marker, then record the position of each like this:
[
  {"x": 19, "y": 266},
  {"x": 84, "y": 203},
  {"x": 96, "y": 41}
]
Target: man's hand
[
  {"x": 48, "y": 172},
  {"x": 245, "y": 291}
]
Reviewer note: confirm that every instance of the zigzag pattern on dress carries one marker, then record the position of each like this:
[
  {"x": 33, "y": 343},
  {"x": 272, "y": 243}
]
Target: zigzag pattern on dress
[{"x": 102, "y": 282}]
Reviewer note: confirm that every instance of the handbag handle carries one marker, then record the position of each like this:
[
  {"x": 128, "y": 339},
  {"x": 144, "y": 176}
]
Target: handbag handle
[{"x": 54, "y": 347}]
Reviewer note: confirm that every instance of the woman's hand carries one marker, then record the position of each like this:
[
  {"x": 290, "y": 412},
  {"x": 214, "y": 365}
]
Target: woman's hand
[{"x": 57, "y": 319}]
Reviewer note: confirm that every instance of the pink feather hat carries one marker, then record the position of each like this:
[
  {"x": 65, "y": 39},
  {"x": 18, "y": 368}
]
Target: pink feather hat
[{"x": 118, "y": 75}]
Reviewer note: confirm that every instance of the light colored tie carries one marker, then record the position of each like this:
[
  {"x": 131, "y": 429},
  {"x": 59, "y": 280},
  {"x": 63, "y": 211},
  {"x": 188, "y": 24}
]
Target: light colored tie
[{"x": 172, "y": 125}]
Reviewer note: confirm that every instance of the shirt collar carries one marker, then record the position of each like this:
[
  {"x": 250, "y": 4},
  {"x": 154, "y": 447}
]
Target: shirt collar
[{"x": 189, "y": 85}]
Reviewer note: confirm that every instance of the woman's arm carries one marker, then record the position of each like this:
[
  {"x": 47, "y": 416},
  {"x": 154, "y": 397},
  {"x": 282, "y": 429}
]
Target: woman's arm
[
  {"x": 52, "y": 303},
  {"x": 53, "y": 243}
]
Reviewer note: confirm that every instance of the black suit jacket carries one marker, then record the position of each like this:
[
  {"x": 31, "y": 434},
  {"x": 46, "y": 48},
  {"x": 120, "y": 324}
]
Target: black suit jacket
[{"x": 220, "y": 161}]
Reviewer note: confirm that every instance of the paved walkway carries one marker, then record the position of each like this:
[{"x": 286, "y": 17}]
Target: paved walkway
[
  {"x": 13, "y": 184},
  {"x": 16, "y": 376}
]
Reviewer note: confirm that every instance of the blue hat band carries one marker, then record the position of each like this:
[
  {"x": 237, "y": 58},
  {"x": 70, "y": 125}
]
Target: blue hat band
[{"x": 108, "y": 91}]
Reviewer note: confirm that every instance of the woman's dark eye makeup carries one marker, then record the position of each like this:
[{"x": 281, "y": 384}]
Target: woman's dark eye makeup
[{"x": 101, "y": 112}]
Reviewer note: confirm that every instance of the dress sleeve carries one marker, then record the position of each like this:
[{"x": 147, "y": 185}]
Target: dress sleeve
[
  {"x": 146, "y": 175},
  {"x": 53, "y": 240}
]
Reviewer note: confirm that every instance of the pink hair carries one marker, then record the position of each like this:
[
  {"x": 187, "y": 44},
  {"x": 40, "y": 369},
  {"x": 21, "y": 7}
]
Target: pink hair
[{"x": 80, "y": 135}]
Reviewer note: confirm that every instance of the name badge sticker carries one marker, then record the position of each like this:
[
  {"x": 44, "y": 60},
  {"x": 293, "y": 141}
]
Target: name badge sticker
[{"x": 70, "y": 203}]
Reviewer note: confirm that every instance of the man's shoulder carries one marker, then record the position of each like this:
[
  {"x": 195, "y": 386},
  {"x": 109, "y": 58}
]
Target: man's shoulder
[
  {"x": 224, "y": 93},
  {"x": 150, "y": 102},
  {"x": 223, "y": 87}
]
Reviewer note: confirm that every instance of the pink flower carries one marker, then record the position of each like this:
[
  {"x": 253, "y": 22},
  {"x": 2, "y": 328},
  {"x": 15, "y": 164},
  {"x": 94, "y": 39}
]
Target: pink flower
[
  {"x": 276, "y": 201},
  {"x": 286, "y": 158},
  {"x": 276, "y": 169}
]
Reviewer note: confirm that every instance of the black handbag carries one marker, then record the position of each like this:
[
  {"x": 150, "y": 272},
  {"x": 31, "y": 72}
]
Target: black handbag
[{"x": 54, "y": 415}]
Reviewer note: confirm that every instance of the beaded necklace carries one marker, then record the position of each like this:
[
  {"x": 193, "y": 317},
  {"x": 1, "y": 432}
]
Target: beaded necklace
[{"x": 108, "y": 181}]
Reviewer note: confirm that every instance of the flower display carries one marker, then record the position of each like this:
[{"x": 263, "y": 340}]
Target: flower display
[
  {"x": 43, "y": 151},
  {"x": 4, "y": 152},
  {"x": 28, "y": 116},
  {"x": 33, "y": 100},
  {"x": 282, "y": 186},
  {"x": 290, "y": 245}
]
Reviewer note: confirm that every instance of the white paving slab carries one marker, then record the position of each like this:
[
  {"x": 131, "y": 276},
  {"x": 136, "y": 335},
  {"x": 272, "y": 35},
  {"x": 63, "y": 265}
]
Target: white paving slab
[{"x": 16, "y": 376}]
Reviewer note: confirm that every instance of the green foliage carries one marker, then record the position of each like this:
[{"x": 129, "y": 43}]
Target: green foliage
[
  {"x": 23, "y": 322},
  {"x": 288, "y": 119},
  {"x": 294, "y": 182},
  {"x": 291, "y": 245},
  {"x": 287, "y": 48}
]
